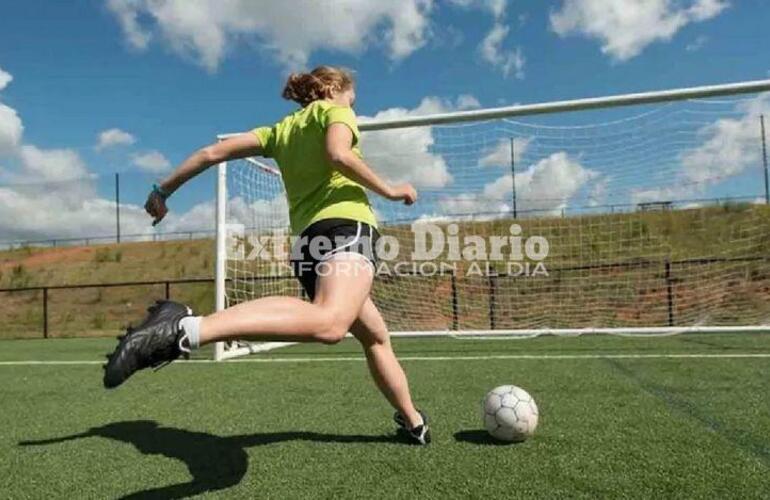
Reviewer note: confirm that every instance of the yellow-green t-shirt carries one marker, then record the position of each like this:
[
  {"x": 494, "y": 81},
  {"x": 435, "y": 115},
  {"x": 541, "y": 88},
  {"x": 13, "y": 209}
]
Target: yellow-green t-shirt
[{"x": 316, "y": 190}]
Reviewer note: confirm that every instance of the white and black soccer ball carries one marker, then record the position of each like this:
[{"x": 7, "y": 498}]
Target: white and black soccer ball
[{"x": 510, "y": 413}]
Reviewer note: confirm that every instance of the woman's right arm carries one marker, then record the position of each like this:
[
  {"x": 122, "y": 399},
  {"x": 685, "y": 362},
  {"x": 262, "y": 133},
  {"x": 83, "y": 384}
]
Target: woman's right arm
[
  {"x": 339, "y": 142},
  {"x": 239, "y": 146}
]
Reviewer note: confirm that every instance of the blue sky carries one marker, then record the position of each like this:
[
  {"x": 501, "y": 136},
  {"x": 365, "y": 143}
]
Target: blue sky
[{"x": 174, "y": 74}]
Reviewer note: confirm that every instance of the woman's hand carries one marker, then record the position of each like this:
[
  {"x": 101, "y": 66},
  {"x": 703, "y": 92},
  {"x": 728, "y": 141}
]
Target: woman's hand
[
  {"x": 403, "y": 192},
  {"x": 156, "y": 206}
]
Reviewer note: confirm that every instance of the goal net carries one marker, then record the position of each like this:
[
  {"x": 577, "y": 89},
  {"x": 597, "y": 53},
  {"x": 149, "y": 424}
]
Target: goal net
[{"x": 643, "y": 214}]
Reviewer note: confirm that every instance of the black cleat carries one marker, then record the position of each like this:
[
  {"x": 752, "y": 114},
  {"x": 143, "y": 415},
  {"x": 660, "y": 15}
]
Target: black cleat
[
  {"x": 418, "y": 435},
  {"x": 151, "y": 344}
]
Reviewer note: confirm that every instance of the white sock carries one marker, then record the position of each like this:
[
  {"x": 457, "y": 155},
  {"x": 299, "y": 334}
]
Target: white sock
[{"x": 192, "y": 329}]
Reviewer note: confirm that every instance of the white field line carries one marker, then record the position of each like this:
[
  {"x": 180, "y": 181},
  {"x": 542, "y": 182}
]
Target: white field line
[{"x": 328, "y": 359}]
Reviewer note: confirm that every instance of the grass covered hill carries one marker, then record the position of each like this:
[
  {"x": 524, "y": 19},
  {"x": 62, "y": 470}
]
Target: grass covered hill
[{"x": 703, "y": 265}]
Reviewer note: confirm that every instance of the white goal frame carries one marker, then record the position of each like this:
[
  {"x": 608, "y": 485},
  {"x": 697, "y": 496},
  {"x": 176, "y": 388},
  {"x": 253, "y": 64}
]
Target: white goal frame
[{"x": 701, "y": 92}]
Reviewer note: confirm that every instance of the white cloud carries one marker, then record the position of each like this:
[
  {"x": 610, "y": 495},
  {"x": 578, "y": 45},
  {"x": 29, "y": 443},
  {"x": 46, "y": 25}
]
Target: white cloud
[
  {"x": 598, "y": 194},
  {"x": 42, "y": 210},
  {"x": 500, "y": 155},
  {"x": 701, "y": 10},
  {"x": 495, "y": 7},
  {"x": 547, "y": 186},
  {"x": 467, "y": 101},
  {"x": 151, "y": 161},
  {"x": 74, "y": 210},
  {"x": 114, "y": 137},
  {"x": 54, "y": 184},
  {"x": 11, "y": 128},
  {"x": 697, "y": 44},
  {"x": 206, "y": 29},
  {"x": 472, "y": 204},
  {"x": 729, "y": 145},
  {"x": 5, "y": 79},
  {"x": 550, "y": 183},
  {"x": 51, "y": 165},
  {"x": 409, "y": 24},
  {"x": 127, "y": 13},
  {"x": 727, "y": 148},
  {"x": 272, "y": 213},
  {"x": 626, "y": 27},
  {"x": 36, "y": 212},
  {"x": 406, "y": 155},
  {"x": 507, "y": 61}
]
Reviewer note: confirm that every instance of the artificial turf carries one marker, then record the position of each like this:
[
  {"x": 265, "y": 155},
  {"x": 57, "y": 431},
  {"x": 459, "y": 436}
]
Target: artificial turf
[{"x": 309, "y": 423}]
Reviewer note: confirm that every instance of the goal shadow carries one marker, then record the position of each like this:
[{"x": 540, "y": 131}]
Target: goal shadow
[{"x": 215, "y": 463}]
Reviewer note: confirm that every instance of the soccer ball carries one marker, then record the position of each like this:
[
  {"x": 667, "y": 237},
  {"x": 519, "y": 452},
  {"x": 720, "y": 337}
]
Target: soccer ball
[{"x": 509, "y": 413}]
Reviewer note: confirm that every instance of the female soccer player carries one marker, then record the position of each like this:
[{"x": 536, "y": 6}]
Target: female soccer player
[{"x": 316, "y": 149}]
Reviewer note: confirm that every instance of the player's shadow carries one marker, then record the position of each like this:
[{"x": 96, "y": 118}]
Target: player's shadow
[
  {"x": 215, "y": 462},
  {"x": 480, "y": 437}
]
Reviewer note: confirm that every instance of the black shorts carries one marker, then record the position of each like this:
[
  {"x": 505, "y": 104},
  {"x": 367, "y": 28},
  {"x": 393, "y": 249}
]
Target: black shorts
[{"x": 322, "y": 239}]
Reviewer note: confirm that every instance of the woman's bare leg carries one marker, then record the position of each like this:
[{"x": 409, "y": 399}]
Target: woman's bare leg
[
  {"x": 340, "y": 293},
  {"x": 342, "y": 303},
  {"x": 371, "y": 331}
]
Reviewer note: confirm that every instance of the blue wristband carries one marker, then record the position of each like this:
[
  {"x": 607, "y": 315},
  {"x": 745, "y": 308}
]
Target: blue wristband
[{"x": 160, "y": 191}]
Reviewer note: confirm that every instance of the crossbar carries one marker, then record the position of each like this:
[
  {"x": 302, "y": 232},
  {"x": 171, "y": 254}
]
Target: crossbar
[{"x": 565, "y": 106}]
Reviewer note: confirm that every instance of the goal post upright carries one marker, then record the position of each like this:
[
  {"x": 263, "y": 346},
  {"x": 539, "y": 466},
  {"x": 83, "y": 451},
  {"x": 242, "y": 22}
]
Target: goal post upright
[{"x": 220, "y": 275}]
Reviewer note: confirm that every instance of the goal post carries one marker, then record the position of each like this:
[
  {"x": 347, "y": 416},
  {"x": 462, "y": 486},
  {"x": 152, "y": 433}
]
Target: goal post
[
  {"x": 220, "y": 271},
  {"x": 637, "y": 214}
]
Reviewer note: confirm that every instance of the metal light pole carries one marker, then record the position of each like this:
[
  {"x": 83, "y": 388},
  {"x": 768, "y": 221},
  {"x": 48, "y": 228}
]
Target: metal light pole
[
  {"x": 764, "y": 159},
  {"x": 513, "y": 176},
  {"x": 117, "y": 207}
]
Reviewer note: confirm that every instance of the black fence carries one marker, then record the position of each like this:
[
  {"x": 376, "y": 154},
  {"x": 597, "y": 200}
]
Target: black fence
[
  {"x": 668, "y": 274},
  {"x": 45, "y": 292}
]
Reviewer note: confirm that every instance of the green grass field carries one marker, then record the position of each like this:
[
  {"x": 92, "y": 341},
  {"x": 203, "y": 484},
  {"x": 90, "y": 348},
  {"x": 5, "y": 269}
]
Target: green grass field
[{"x": 675, "y": 417}]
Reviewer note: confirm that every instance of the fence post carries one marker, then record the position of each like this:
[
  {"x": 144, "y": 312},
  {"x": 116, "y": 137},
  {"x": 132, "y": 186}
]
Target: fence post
[
  {"x": 45, "y": 313},
  {"x": 492, "y": 276},
  {"x": 670, "y": 292},
  {"x": 764, "y": 158},
  {"x": 168, "y": 290},
  {"x": 455, "y": 312}
]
